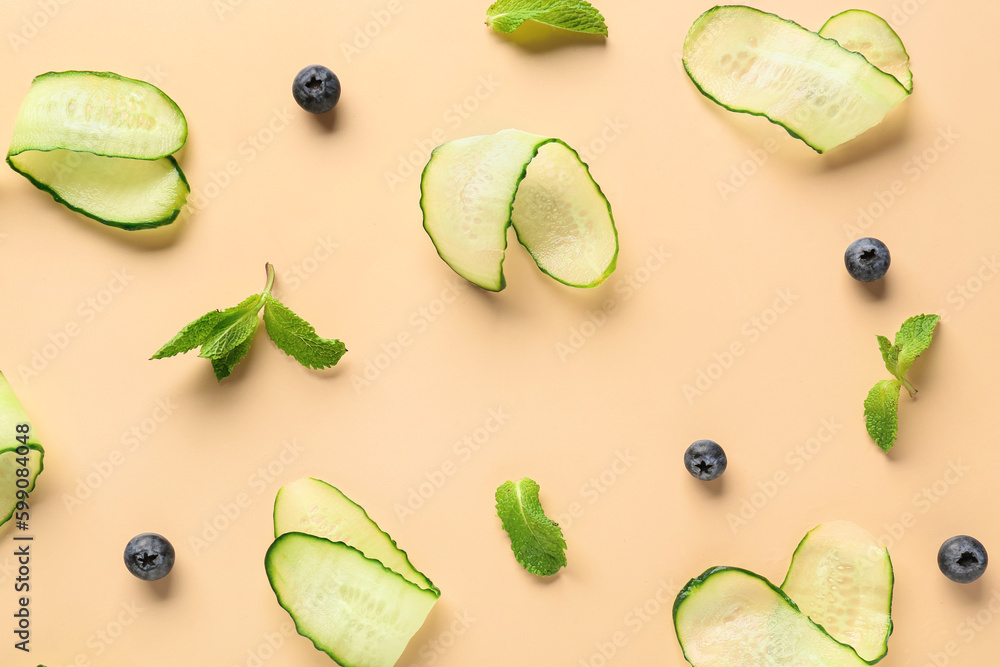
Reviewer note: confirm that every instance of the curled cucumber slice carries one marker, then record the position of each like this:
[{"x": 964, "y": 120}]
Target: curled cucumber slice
[
  {"x": 729, "y": 616},
  {"x": 98, "y": 112},
  {"x": 130, "y": 194},
  {"x": 473, "y": 189},
  {"x": 100, "y": 143},
  {"x": 842, "y": 579},
  {"x": 21, "y": 459},
  {"x": 314, "y": 507},
  {"x": 871, "y": 36},
  {"x": 753, "y": 62}
]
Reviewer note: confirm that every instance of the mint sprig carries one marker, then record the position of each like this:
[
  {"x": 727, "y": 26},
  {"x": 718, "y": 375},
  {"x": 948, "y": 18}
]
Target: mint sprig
[
  {"x": 882, "y": 403},
  {"x": 576, "y": 15},
  {"x": 536, "y": 540},
  {"x": 225, "y": 336}
]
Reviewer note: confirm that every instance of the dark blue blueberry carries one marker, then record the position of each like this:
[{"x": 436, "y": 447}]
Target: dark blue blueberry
[
  {"x": 705, "y": 459},
  {"x": 962, "y": 559},
  {"x": 867, "y": 260},
  {"x": 316, "y": 89},
  {"x": 149, "y": 556}
]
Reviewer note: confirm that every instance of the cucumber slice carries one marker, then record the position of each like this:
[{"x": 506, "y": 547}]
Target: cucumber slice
[
  {"x": 11, "y": 415},
  {"x": 130, "y": 194},
  {"x": 753, "y": 62},
  {"x": 473, "y": 189},
  {"x": 730, "y": 617},
  {"x": 98, "y": 112},
  {"x": 100, "y": 143},
  {"x": 355, "y": 610},
  {"x": 871, "y": 36},
  {"x": 314, "y": 507},
  {"x": 842, "y": 579}
]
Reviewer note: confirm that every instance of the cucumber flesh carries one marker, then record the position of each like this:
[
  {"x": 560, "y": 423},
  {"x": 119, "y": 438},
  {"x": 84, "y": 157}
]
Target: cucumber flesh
[
  {"x": 314, "y": 507},
  {"x": 730, "y": 617},
  {"x": 871, "y": 36},
  {"x": 131, "y": 194},
  {"x": 351, "y": 607},
  {"x": 753, "y": 62},
  {"x": 98, "y": 112},
  {"x": 473, "y": 189},
  {"x": 11, "y": 415},
  {"x": 842, "y": 579}
]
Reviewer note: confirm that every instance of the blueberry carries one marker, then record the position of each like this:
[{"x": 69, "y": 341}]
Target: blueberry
[
  {"x": 962, "y": 559},
  {"x": 149, "y": 556},
  {"x": 316, "y": 89},
  {"x": 867, "y": 260},
  {"x": 705, "y": 459}
]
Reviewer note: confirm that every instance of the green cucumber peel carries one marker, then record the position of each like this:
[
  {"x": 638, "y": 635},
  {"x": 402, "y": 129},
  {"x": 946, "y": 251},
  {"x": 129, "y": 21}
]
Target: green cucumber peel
[
  {"x": 474, "y": 189},
  {"x": 225, "y": 336}
]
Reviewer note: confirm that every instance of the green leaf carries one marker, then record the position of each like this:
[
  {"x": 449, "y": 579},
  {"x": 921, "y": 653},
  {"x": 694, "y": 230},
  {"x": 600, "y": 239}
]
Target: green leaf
[
  {"x": 881, "y": 416},
  {"x": 536, "y": 540},
  {"x": 237, "y": 324},
  {"x": 913, "y": 338},
  {"x": 191, "y": 336},
  {"x": 224, "y": 367},
  {"x": 890, "y": 354},
  {"x": 576, "y": 15},
  {"x": 297, "y": 338}
]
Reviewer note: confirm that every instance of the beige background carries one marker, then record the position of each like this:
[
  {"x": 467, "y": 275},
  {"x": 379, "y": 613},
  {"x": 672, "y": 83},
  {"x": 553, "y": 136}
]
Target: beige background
[{"x": 567, "y": 388}]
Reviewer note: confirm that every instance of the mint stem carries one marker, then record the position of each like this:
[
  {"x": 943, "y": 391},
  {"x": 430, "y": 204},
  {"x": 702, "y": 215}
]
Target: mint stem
[
  {"x": 270, "y": 279},
  {"x": 909, "y": 387}
]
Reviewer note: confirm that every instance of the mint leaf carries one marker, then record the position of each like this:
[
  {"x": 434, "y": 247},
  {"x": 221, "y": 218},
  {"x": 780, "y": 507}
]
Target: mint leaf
[
  {"x": 536, "y": 540},
  {"x": 576, "y": 15},
  {"x": 890, "y": 354},
  {"x": 881, "y": 416},
  {"x": 224, "y": 367},
  {"x": 225, "y": 336},
  {"x": 190, "y": 336},
  {"x": 913, "y": 338},
  {"x": 297, "y": 338},
  {"x": 237, "y": 324}
]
